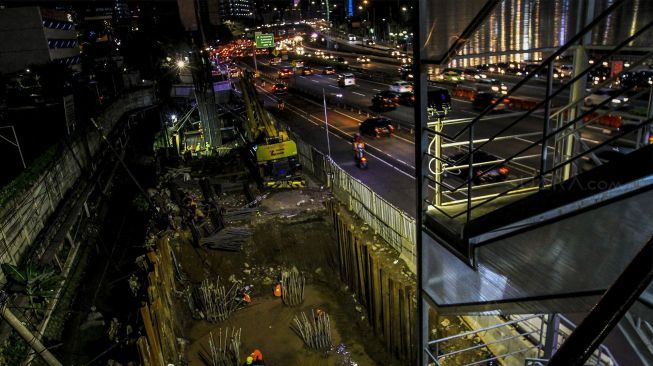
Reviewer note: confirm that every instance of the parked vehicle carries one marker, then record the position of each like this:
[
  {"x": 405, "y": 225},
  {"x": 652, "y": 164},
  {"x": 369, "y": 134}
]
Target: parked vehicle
[{"x": 377, "y": 127}]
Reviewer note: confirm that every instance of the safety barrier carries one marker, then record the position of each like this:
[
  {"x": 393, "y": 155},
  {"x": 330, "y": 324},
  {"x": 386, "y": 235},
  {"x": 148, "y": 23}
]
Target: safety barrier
[
  {"x": 159, "y": 344},
  {"x": 393, "y": 225}
]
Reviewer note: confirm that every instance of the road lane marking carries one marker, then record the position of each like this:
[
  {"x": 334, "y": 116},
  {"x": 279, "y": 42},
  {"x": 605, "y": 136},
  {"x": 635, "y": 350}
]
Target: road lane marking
[
  {"x": 315, "y": 81},
  {"x": 357, "y": 93},
  {"x": 333, "y": 86},
  {"x": 376, "y": 89}
]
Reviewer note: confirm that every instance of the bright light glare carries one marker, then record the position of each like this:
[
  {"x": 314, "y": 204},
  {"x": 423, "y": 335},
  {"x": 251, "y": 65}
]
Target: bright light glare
[{"x": 181, "y": 64}]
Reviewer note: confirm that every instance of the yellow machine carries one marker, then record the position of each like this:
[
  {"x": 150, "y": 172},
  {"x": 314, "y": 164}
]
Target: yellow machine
[{"x": 275, "y": 152}]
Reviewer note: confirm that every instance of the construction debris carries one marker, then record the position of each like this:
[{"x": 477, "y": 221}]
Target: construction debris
[
  {"x": 292, "y": 284},
  {"x": 227, "y": 350},
  {"x": 231, "y": 239},
  {"x": 238, "y": 214},
  {"x": 214, "y": 302},
  {"x": 314, "y": 331}
]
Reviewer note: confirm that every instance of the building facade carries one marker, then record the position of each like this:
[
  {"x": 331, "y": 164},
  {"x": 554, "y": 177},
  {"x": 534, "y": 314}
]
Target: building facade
[{"x": 33, "y": 35}]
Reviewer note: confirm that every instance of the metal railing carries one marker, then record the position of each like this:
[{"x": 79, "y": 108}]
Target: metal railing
[
  {"x": 515, "y": 339},
  {"x": 543, "y": 157},
  {"x": 389, "y": 222},
  {"x": 502, "y": 336}
]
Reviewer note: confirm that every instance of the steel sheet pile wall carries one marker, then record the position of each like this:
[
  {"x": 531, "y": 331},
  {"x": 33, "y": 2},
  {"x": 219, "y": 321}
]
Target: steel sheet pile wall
[
  {"x": 24, "y": 216},
  {"x": 393, "y": 225},
  {"x": 158, "y": 347},
  {"x": 381, "y": 286}
]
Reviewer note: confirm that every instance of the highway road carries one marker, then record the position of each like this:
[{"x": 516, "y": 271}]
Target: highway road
[{"x": 392, "y": 165}]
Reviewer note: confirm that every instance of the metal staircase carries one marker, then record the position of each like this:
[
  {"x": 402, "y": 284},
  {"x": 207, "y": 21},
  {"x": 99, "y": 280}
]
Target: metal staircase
[{"x": 554, "y": 235}]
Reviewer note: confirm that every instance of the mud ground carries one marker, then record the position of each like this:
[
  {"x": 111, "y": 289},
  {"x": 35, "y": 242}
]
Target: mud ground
[{"x": 291, "y": 230}]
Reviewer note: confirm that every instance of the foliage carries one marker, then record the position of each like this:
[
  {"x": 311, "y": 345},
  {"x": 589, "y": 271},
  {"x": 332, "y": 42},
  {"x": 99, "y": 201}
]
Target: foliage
[
  {"x": 13, "y": 350},
  {"x": 140, "y": 203},
  {"x": 28, "y": 176},
  {"x": 38, "y": 283}
]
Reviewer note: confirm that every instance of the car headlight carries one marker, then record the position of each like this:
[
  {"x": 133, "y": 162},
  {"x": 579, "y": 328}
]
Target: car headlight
[
  {"x": 477, "y": 76},
  {"x": 495, "y": 88},
  {"x": 616, "y": 101},
  {"x": 625, "y": 99}
]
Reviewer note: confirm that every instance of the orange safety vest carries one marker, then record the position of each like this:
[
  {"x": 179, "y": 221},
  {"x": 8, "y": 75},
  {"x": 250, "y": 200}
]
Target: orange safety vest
[
  {"x": 246, "y": 298},
  {"x": 277, "y": 290},
  {"x": 257, "y": 355}
]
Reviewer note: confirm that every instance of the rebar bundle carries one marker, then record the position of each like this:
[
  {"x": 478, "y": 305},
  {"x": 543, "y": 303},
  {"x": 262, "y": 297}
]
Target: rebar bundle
[
  {"x": 292, "y": 287},
  {"x": 314, "y": 331},
  {"x": 215, "y": 302},
  {"x": 231, "y": 239},
  {"x": 227, "y": 350}
]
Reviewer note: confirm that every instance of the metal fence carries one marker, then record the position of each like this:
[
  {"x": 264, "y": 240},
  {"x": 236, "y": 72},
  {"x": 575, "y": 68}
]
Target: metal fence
[{"x": 393, "y": 225}]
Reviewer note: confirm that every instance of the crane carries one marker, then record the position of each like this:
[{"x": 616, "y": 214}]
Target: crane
[{"x": 275, "y": 152}]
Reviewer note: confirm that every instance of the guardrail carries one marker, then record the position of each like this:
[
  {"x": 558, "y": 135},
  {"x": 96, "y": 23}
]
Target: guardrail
[{"x": 389, "y": 222}]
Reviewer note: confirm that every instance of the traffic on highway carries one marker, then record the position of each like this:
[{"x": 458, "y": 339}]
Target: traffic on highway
[{"x": 369, "y": 96}]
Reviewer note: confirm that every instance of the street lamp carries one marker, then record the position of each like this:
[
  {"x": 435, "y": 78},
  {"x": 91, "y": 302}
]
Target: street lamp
[{"x": 181, "y": 64}]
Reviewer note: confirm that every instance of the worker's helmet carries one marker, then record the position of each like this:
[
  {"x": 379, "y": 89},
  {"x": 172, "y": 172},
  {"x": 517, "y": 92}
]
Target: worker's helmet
[{"x": 250, "y": 360}]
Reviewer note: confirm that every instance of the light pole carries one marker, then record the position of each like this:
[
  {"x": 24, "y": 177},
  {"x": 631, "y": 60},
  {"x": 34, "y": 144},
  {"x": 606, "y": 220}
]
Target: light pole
[{"x": 326, "y": 124}]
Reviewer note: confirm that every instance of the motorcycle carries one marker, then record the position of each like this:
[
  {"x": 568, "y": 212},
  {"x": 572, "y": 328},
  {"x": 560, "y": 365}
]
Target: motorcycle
[{"x": 360, "y": 158}]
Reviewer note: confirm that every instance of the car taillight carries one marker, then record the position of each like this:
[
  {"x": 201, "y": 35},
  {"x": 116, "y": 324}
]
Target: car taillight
[
  {"x": 504, "y": 170},
  {"x": 377, "y": 130}
]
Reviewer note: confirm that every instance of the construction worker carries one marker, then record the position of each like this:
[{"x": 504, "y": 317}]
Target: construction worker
[
  {"x": 257, "y": 357},
  {"x": 249, "y": 361},
  {"x": 277, "y": 290}
]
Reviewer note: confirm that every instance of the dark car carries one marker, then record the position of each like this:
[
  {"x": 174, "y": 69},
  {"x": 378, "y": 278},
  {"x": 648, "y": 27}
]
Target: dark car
[
  {"x": 329, "y": 70},
  {"x": 496, "y": 172},
  {"x": 385, "y": 100},
  {"x": 307, "y": 71},
  {"x": 605, "y": 155},
  {"x": 341, "y": 60},
  {"x": 285, "y": 73},
  {"x": 407, "y": 98},
  {"x": 439, "y": 101},
  {"x": 485, "y": 99},
  {"x": 636, "y": 79},
  {"x": 376, "y": 127},
  {"x": 279, "y": 88}
]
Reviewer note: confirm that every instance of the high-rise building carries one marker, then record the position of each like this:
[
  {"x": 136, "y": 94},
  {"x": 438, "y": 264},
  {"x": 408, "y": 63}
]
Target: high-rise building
[
  {"x": 33, "y": 35},
  {"x": 237, "y": 9}
]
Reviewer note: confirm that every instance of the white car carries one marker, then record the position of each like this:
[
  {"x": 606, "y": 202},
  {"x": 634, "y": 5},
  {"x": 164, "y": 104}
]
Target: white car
[
  {"x": 401, "y": 87},
  {"x": 351, "y": 37},
  {"x": 617, "y": 99},
  {"x": 363, "y": 60}
]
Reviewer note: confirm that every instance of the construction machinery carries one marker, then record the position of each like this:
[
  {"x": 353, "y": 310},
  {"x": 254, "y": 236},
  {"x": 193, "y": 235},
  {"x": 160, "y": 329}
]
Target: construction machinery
[{"x": 274, "y": 152}]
